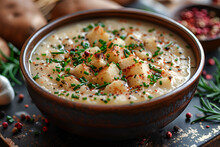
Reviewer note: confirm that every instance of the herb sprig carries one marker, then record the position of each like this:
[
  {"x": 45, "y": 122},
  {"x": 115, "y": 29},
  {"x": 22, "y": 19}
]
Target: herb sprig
[
  {"x": 10, "y": 68},
  {"x": 210, "y": 89},
  {"x": 211, "y": 111}
]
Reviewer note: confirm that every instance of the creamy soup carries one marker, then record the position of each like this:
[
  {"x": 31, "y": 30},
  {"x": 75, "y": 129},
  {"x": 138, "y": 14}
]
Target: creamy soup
[{"x": 111, "y": 61}]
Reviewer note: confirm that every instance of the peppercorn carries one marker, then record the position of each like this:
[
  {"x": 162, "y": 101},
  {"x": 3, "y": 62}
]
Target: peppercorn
[
  {"x": 26, "y": 105},
  {"x": 207, "y": 126},
  {"x": 14, "y": 130},
  {"x": 23, "y": 116},
  {"x": 5, "y": 125},
  {"x": 204, "y": 72},
  {"x": 18, "y": 125},
  {"x": 28, "y": 117},
  {"x": 2, "y": 114},
  {"x": 169, "y": 134},
  {"x": 211, "y": 62},
  {"x": 21, "y": 97},
  {"x": 188, "y": 115},
  {"x": 46, "y": 120},
  {"x": 208, "y": 77},
  {"x": 45, "y": 129},
  {"x": 176, "y": 128}
]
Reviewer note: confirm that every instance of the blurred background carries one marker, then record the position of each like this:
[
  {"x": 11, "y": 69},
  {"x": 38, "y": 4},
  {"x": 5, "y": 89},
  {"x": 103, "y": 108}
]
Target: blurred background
[{"x": 20, "y": 18}]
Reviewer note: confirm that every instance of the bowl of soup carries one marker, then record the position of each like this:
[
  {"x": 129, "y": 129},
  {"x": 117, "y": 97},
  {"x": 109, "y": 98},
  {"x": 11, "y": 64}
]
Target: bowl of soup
[{"x": 112, "y": 74}]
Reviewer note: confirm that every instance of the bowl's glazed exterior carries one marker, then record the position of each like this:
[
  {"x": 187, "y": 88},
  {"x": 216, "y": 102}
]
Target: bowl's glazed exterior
[{"x": 109, "y": 121}]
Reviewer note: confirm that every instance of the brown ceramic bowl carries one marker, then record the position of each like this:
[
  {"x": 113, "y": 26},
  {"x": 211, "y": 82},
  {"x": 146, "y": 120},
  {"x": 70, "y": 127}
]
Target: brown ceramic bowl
[
  {"x": 112, "y": 121},
  {"x": 208, "y": 44}
]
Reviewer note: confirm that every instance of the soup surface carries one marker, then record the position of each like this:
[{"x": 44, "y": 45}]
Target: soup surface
[{"x": 111, "y": 61}]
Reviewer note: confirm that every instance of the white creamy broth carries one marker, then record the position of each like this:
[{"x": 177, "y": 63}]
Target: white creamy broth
[{"x": 111, "y": 61}]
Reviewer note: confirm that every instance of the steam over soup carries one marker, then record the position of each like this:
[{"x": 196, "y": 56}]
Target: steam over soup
[{"x": 111, "y": 61}]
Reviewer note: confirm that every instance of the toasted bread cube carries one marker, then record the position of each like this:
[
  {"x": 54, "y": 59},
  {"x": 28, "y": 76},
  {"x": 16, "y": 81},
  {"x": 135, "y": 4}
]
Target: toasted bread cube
[
  {"x": 164, "y": 83},
  {"x": 115, "y": 54},
  {"x": 107, "y": 74},
  {"x": 116, "y": 87},
  {"x": 137, "y": 80},
  {"x": 96, "y": 34},
  {"x": 68, "y": 81},
  {"x": 97, "y": 60},
  {"x": 150, "y": 44},
  {"x": 126, "y": 62},
  {"x": 82, "y": 70},
  {"x": 119, "y": 42},
  {"x": 138, "y": 68}
]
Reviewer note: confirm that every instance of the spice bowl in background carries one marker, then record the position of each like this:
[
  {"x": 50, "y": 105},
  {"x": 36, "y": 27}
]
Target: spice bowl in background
[
  {"x": 112, "y": 122},
  {"x": 204, "y": 21}
]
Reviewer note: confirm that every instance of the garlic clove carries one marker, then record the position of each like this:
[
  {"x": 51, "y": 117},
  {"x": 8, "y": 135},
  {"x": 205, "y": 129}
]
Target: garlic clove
[{"x": 6, "y": 91}]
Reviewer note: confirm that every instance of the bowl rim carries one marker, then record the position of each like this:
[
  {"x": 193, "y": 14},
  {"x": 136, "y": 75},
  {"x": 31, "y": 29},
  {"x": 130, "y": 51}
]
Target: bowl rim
[
  {"x": 176, "y": 14},
  {"x": 102, "y": 107}
]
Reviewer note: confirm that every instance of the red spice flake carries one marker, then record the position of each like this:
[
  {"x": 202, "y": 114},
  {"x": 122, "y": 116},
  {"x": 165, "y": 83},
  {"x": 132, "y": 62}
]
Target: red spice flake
[
  {"x": 21, "y": 96},
  {"x": 26, "y": 105},
  {"x": 45, "y": 128},
  {"x": 207, "y": 126},
  {"x": 211, "y": 62},
  {"x": 204, "y": 72},
  {"x": 28, "y": 117},
  {"x": 188, "y": 115},
  {"x": 208, "y": 77},
  {"x": 169, "y": 134},
  {"x": 5, "y": 125},
  {"x": 18, "y": 125},
  {"x": 86, "y": 53}
]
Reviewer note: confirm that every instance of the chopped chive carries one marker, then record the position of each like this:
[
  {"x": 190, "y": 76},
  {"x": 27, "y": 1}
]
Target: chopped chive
[
  {"x": 86, "y": 73},
  {"x": 54, "y": 53}
]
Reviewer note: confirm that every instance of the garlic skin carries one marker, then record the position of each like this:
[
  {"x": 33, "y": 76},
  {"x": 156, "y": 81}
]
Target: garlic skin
[{"x": 6, "y": 91}]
